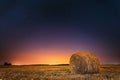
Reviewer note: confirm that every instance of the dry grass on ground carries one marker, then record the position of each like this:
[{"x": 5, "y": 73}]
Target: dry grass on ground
[{"x": 108, "y": 72}]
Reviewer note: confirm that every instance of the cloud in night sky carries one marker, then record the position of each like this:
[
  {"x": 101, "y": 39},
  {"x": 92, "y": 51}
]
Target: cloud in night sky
[{"x": 85, "y": 25}]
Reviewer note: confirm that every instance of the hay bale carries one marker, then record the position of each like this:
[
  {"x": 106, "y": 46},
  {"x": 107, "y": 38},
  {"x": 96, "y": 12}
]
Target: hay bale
[{"x": 84, "y": 63}]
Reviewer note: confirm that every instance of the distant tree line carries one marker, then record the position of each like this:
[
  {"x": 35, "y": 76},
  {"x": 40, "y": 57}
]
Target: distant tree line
[{"x": 7, "y": 64}]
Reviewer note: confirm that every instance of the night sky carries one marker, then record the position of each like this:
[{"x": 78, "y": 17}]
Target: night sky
[{"x": 50, "y": 31}]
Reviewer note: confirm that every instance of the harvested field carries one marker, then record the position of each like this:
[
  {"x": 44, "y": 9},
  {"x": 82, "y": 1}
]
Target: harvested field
[{"x": 107, "y": 72}]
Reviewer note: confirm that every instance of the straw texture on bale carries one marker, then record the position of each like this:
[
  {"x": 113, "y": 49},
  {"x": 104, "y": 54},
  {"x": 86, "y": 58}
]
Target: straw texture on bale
[{"x": 84, "y": 63}]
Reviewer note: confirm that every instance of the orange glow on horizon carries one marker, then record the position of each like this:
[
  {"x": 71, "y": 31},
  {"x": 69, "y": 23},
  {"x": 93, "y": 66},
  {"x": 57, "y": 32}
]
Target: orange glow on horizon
[
  {"x": 40, "y": 57},
  {"x": 43, "y": 60}
]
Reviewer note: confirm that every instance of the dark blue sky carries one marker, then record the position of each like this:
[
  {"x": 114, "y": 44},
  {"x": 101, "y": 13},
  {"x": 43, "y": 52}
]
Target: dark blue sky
[{"x": 79, "y": 25}]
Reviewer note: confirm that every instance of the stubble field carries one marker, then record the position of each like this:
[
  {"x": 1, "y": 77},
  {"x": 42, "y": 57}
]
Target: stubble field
[{"x": 108, "y": 72}]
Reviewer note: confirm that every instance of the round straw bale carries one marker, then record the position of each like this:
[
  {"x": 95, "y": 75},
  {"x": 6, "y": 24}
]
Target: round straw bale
[{"x": 84, "y": 63}]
